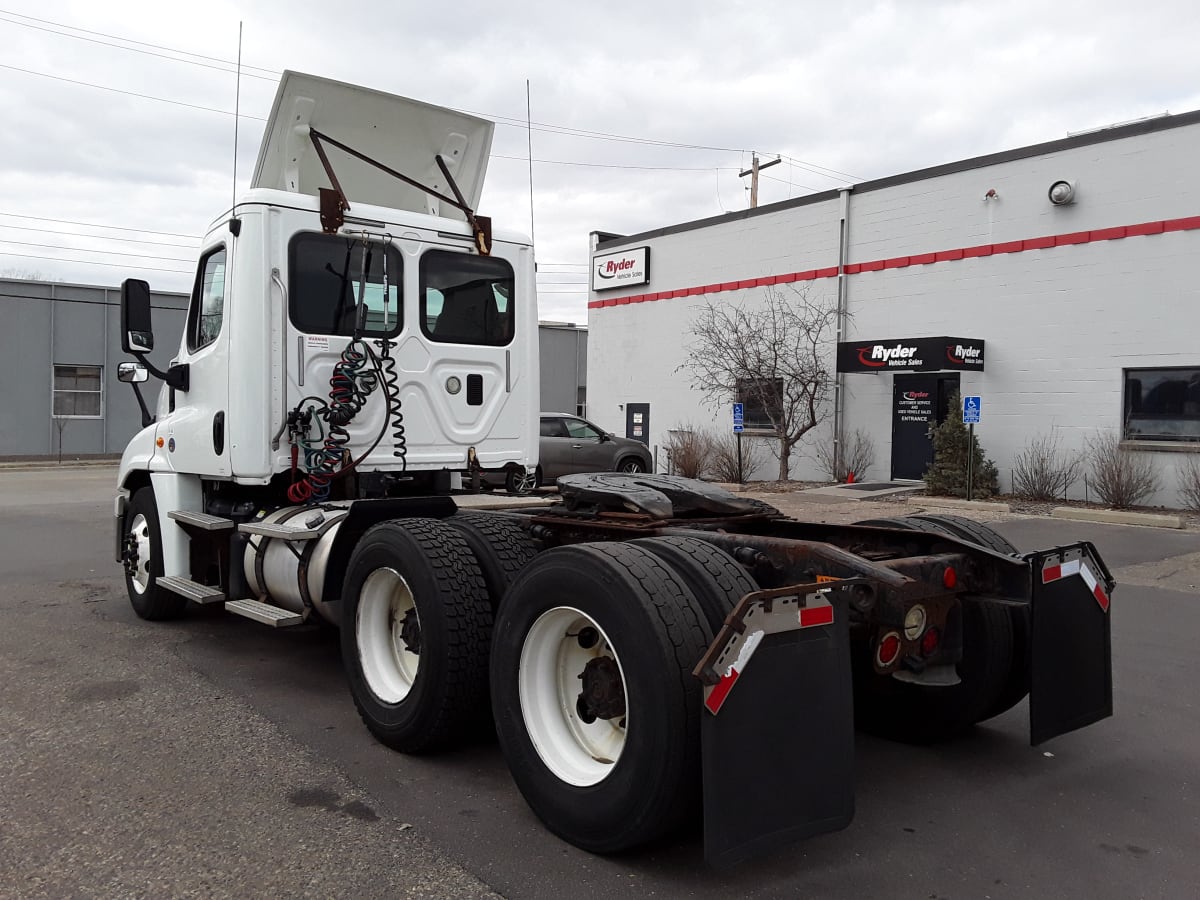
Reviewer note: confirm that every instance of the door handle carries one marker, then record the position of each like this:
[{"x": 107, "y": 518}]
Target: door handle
[
  {"x": 219, "y": 433},
  {"x": 577, "y": 446}
]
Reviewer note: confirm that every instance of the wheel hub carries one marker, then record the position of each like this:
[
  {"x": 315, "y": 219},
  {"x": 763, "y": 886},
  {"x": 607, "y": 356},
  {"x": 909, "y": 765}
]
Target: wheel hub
[
  {"x": 603, "y": 694},
  {"x": 410, "y": 631}
]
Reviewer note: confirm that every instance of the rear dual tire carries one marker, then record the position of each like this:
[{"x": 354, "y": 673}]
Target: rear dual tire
[{"x": 618, "y": 764}]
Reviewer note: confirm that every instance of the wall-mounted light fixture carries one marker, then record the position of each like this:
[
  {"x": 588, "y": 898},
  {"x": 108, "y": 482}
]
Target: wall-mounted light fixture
[
  {"x": 991, "y": 194},
  {"x": 1062, "y": 192}
]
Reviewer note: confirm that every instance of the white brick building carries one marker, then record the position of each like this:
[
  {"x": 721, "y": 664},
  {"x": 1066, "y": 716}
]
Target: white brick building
[{"x": 1089, "y": 309}]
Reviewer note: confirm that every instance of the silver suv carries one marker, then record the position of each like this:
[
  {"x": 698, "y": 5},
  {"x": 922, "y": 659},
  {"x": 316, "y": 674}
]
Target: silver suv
[{"x": 570, "y": 444}]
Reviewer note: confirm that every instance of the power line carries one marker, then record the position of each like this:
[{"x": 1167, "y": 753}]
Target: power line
[
  {"x": 87, "y": 250},
  {"x": 85, "y": 262},
  {"x": 508, "y": 121},
  {"x": 194, "y": 237},
  {"x": 562, "y": 162},
  {"x": 101, "y": 87},
  {"x": 99, "y": 237},
  {"x": 132, "y": 41},
  {"x": 80, "y": 37}
]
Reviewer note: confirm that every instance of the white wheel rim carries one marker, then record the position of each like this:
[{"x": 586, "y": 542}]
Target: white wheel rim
[
  {"x": 552, "y": 661},
  {"x": 388, "y": 665},
  {"x": 631, "y": 467},
  {"x": 139, "y": 531}
]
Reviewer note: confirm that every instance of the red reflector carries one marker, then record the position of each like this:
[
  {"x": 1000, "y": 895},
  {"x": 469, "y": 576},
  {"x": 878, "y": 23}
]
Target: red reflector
[
  {"x": 949, "y": 578},
  {"x": 929, "y": 643},
  {"x": 889, "y": 649}
]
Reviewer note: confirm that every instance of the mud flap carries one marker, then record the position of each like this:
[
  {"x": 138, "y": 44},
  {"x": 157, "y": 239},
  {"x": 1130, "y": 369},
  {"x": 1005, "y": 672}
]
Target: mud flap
[
  {"x": 1071, "y": 644},
  {"x": 778, "y": 732}
]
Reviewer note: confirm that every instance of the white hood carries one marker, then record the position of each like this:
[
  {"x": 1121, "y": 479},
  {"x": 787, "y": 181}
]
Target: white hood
[{"x": 402, "y": 134}]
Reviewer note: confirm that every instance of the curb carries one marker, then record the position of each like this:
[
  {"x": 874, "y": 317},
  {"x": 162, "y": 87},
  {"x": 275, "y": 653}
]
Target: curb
[
  {"x": 72, "y": 464},
  {"x": 1117, "y": 517},
  {"x": 950, "y": 503}
]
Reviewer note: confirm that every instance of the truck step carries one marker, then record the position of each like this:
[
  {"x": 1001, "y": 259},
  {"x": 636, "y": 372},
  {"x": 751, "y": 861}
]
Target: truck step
[
  {"x": 280, "y": 530},
  {"x": 264, "y": 612},
  {"x": 200, "y": 520},
  {"x": 193, "y": 590}
]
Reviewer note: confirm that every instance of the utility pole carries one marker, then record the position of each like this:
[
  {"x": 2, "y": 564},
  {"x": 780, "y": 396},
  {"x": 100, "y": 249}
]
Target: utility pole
[{"x": 753, "y": 171}]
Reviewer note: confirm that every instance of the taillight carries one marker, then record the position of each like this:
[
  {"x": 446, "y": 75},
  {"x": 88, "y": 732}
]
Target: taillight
[
  {"x": 929, "y": 643},
  {"x": 949, "y": 578},
  {"x": 888, "y": 649}
]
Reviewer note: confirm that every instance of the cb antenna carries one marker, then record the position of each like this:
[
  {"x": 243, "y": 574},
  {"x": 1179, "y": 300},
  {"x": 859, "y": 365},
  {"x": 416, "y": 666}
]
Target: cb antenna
[{"x": 234, "y": 225}]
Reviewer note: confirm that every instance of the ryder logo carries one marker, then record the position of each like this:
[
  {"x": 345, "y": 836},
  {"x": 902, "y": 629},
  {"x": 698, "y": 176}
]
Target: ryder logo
[
  {"x": 964, "y": 355},
  {"x": 613, "y": 267},
  {"x": 878, "y": 355},
  {"x": 915, "y": 395}
]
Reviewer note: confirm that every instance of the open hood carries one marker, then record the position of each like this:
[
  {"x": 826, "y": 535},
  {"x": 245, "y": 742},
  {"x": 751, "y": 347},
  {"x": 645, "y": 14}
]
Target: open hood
[{"x": 403, "y": 134}]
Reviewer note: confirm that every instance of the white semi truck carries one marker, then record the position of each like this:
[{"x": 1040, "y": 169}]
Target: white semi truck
[{"x": 359, "y": 342}]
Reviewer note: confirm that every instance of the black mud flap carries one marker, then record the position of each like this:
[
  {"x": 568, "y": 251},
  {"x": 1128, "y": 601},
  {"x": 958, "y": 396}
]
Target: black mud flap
[
  {"x": 778, "y": 730},
  {"x": 1071, "y": 652}
]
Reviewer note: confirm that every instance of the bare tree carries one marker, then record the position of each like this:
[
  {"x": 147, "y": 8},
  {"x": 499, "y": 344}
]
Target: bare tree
[{"x": 772, "y": 355}]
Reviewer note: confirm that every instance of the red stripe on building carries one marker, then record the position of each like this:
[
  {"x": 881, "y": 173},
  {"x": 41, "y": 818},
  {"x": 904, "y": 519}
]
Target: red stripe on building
[{"x": 1045, "y": 242}]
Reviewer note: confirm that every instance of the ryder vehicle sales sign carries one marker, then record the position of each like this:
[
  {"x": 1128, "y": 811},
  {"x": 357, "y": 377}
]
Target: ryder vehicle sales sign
[
  {"x": 626, "y": 268},
  {"x": 924, "y": 354}
]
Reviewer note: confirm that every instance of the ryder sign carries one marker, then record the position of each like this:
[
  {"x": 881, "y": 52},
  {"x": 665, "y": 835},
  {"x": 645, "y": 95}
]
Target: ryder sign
[
  {"x": 924, "y": 354},
  {"x": 624, "y": 268}
]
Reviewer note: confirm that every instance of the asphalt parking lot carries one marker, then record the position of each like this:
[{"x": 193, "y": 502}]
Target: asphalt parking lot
[{"x": 217, "y": 757}]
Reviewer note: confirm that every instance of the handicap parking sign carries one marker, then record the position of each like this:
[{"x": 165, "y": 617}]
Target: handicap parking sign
[{"x": 972, "y": 406}]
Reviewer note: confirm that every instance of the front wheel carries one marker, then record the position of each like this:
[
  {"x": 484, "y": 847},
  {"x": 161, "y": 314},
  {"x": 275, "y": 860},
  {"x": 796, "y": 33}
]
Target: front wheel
[
  {"x": 631, "y": 466},
  {"x": 142, "y": 557},
  {"x": 521, "y": 482},
  {"x": 596, "y": 708}
]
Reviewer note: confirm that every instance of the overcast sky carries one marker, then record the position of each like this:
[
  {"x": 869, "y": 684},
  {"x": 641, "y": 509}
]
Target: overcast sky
[{"x": 684, "y": 93}]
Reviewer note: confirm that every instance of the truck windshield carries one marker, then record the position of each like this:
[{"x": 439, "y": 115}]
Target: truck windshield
[{"x": 326, "y": 276}]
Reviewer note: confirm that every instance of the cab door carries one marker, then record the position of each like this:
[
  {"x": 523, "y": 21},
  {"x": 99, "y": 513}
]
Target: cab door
[{"x": 195, "y": 429}]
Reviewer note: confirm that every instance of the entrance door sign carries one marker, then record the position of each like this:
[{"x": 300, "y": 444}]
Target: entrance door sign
[{"x": 921, "y": 354}]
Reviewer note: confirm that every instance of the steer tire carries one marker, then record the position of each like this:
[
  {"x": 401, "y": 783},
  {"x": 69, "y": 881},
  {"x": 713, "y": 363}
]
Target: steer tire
[
  {"x": 501, "y": 547},
  {"x": 149, "y": 601},
  {"x": 647, "y": 621},
  {"x": 446, "y": 697},
  {"x": 713, "y": 576}
]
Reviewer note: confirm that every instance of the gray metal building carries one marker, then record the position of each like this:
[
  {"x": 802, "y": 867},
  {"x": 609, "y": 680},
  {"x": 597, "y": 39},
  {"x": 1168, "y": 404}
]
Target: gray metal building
[
  {"x": 59, "y": 349},
  {"x": 60, "y": 345}
]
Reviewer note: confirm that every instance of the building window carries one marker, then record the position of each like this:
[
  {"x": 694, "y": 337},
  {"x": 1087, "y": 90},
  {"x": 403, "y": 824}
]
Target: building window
[
  {"x": 760, "y": 398},
  {"x": 78, "y": 391},
  {"x": 1162, "y": 404},
  {"x": 208, "y": 301},
  {"x": 328, "y": 275}
]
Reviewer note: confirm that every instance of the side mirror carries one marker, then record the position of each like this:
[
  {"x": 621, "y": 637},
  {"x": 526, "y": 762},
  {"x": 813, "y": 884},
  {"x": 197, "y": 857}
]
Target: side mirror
[
  {"x": 605, "y": 437},
  {"x": 137, "y": 335},
  {"x": 132, "y": 373}
]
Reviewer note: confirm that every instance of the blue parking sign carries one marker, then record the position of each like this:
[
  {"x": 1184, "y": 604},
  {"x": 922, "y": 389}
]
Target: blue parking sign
[
  {"x": 738, "y": 417},
  {"x": 972, "y": 407}
]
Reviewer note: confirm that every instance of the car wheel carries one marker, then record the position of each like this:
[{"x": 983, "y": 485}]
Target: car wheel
[
  {"x": 631, "y": 466},
  {"x": 518, "y": 481}
]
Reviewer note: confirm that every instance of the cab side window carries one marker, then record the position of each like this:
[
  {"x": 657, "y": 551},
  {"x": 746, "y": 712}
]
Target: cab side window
[{"x": 207, "y": 309}]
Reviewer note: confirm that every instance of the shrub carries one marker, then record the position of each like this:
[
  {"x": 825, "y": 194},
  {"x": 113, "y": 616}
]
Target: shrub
[
  {"x": 858, "y": 455},
  {"x": 1189, "y": 482},
  {"x": 724, "y": 462},
  {"x": 689, "y": 451},
  {"x": 1043, "y": 470},
  {"x": 947, "y": 475},
  {"x": 1120, "y": 476}
]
